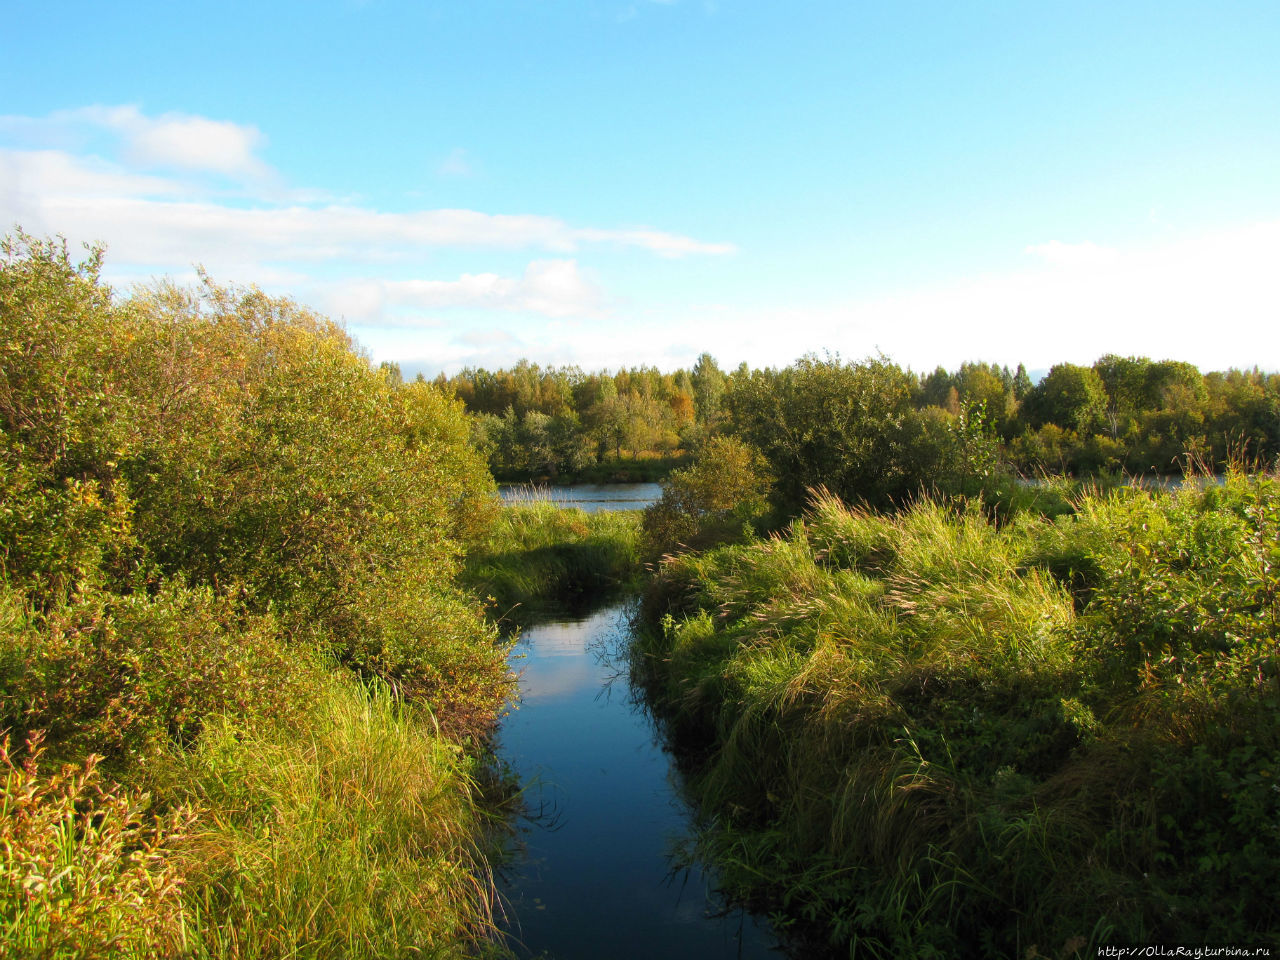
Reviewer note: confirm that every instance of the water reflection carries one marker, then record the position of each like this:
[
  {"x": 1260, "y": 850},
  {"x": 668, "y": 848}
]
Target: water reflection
[
  {"x": 590, "y": 497},
  {"x": 595, "y": 879}
]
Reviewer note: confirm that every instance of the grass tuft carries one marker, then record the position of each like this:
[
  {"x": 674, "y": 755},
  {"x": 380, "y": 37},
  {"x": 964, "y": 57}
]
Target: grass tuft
[{"x": 87, "y": 869}]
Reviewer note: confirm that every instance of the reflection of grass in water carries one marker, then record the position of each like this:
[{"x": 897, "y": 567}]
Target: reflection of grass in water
[{"x": 538, "y": 554}]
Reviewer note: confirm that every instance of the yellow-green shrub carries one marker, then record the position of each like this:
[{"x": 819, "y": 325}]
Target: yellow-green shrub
[
  {"x": 86, "y": 871},
  {"x": 210, "y": 502},
  {"x": 710, "y": 501},
  {"x": 122, "y": 676}
]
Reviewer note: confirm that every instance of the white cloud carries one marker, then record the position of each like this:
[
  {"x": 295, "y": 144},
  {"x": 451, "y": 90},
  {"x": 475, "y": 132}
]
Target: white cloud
[
  {"x": 167, "y": 223},
  {"x": 550, "y": 288},
  {"x": 361, "y": 301},
  {"x": 663, "y": 244},
  {"x": 494, "y": 337},
  {"x": 557, "y": 288},
  {"x": 196, "y": 143},
  {"x": 172, "y": 140},
  {"x": 1073, "y": 254},
  {"x": 36, "y": 177}
]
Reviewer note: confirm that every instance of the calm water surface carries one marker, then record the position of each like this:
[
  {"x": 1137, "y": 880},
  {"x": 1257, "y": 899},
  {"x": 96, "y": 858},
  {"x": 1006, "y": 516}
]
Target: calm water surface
[
  {"x": 585, "y": 496},
  {"x": 595, "y": 879}
]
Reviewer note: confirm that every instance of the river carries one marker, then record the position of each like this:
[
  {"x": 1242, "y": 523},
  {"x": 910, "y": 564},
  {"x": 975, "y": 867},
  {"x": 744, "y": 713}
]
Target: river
[
  {"x": 595, "y": 878},
  {"x": 590, "y": 497}
]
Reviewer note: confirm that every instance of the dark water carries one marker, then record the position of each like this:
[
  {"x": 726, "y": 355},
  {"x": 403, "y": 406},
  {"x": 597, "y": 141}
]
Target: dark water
[
  {"x": 595, "y": 879},
  {"x": 585, "y": 496}
]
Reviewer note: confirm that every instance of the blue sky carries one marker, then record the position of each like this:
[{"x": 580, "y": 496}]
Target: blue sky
[{"x": 612, "y": 182}]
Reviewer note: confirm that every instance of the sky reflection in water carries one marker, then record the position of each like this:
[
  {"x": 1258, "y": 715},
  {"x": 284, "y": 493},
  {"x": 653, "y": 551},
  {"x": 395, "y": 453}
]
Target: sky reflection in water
[{"x": 596, "y": 880}]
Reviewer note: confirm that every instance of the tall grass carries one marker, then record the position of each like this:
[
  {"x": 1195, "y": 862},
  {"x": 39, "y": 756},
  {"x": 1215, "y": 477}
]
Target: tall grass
[
  {"x": 354, "y": 835},
  {"x": 539, "y": 553},
  {"x": 934, "y": 735}
]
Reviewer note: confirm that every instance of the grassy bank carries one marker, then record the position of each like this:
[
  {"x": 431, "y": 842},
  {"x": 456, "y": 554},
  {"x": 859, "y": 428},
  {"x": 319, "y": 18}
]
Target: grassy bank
[
  {"x": 539, "y": 554},
  {"x": 929, "y": 735},
  {"x": 354, "y": 833},
  {"x": 357, "y": 837},
  {"x": 242, "y": 696}
]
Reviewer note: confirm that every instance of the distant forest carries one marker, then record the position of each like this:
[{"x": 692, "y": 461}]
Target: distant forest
[{"x": 1122, "y": 414}]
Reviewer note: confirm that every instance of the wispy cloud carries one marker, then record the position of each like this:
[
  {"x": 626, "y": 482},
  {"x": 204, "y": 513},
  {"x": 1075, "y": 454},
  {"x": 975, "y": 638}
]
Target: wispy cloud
[
  {"x": 663, "y": 244},
  {"x": 489, "y": 339},
  {"x": 54, "y": 192},
  {"x": 146, "y": 192},
  {"x": 1061, "y": 254},
  {"x": 550, "y": 288},
  {"x": 35, "y": 178},
  {"x": 176, "y": 141}
]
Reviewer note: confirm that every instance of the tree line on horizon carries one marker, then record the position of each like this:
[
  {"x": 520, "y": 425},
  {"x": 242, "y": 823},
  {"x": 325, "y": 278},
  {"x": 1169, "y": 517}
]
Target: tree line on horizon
[{"x": 1122, "y": 414}]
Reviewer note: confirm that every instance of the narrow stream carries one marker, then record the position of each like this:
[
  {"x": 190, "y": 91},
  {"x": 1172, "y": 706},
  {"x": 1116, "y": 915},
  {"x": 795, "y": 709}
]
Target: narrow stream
[{"x": 595, "y": 878}]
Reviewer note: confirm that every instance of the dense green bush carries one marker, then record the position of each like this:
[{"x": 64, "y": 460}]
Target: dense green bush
[
  {"x": 710, "y": 501},
  {"x": 240, "y": 443},
  {"x": 211, "y": 503},
  {"x": 123, "y": 676},
  {"x": 854, "y": 429},
  {"x": 931, "y": 735}
]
